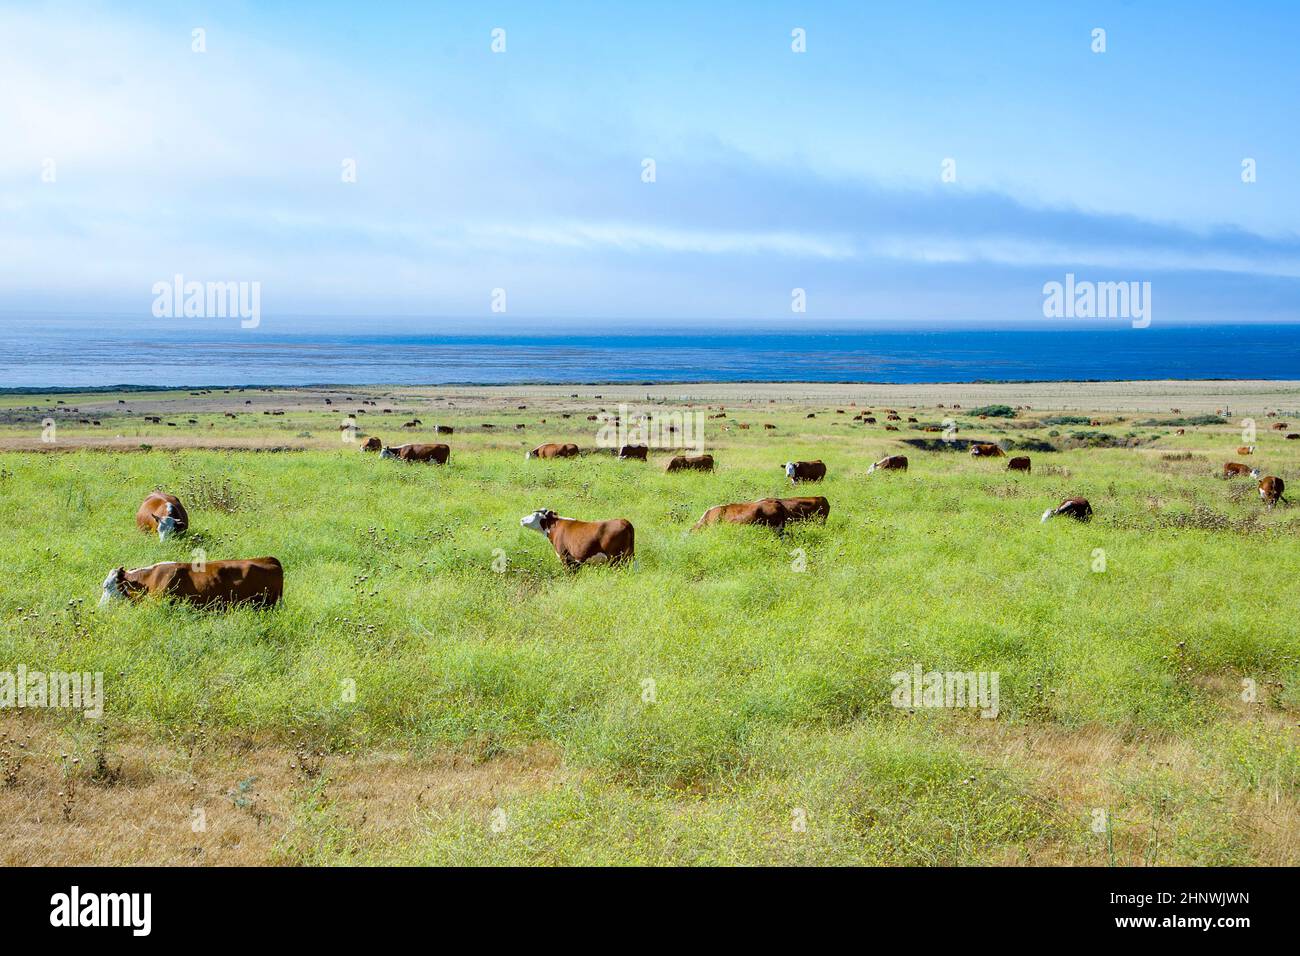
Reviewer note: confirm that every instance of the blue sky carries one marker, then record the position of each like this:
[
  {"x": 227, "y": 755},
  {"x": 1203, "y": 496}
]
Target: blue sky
[{"x": 522, "y": 170}]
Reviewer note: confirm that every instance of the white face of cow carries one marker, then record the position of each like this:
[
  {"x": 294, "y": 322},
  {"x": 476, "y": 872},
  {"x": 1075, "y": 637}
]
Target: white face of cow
[
  {"x": 112, "y": 587},
  {"x": 789, "y": 469},
  {"x": 1255, "y": 473},
  {"x": 166, "y": 526},
  {"x": 387, "y": 453},
  {"x": 534, "y": 521},
  {"x": 1047, "y": 514}
]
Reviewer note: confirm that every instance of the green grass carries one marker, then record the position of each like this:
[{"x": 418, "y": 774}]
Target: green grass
[{"x": 771, "y": 686}]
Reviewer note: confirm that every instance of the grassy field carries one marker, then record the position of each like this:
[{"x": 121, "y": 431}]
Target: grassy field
[{"x": 727, "y": 699}]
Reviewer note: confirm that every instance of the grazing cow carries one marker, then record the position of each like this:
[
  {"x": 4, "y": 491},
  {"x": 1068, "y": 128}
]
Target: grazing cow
[
  {"x": 1235, "y": 469},
  {"x": 162, "y": 513},
  {"x": 437, "y": 454},
  {"x": 768, "y": 427},
  {"x": 798, "y": 471},
  {"x": 1018, "y": 464},
  {"x": 1180, "y": 431},
  {"x": 638, "y": 452},
  {"x": 258, "y": 581},
  {"x": 1076, "y": 508},
  {"x": 372, "y": 444},
  {"x": 1270, "y": 490},
  {"x": 1280, "y": 426},
  {"x": 769, "y": 512},
  {"x": 891, "y": 428},
  {"x": 1246, "y": 450},
  {"x": 986, "y": 450},
  {"x": 690, "y": 463},
  {"x": 806, "y": 509},
  {"x": 1292, "y": 437},
  {"x": 553, "y": 450},
  {"x": 443, "y": 429},
  {"x": 582, "y": 542},
  {"x": 890, "y": 463}
]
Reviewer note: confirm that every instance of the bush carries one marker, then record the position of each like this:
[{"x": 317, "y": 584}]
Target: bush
[{"x": 994, "y": 411}]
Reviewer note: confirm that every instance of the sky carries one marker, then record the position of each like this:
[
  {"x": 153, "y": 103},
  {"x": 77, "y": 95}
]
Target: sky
[{"x": 128, "y": 157}]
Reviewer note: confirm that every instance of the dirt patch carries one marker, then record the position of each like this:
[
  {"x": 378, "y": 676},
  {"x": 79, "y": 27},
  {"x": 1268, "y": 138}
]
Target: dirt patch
[{"x": 233, "y": 803}]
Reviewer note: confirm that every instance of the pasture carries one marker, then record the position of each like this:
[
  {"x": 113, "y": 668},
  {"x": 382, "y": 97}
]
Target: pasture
[{"x": 437, "y": 689}]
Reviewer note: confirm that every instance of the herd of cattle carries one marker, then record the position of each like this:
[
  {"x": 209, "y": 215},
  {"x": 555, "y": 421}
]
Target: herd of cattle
[{"x": 260, "y": 581}]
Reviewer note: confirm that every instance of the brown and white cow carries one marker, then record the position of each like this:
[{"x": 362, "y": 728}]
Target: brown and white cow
[
  {"x": 690, "y": 463},
  {"x": 1246, "y": 450},
  {"x": 584, "y": 542},
  {"x": 1235, "y": 469},
  {"x": 1020, "y": 463},
  {"x": 798, "y": 471},
  {"x": 1270, "y": 490},
  {"x": 372, "y": 444},
  {"x": 258, "y": 581},
  {"x": 639, "y": 452},
  {"x": 806, "y": 509},
  {"x": 986, "y": 450},
  {"x": 1076, "y": 508},
  {"x": 890, "y": 463},
  {"x": 769, "y": 512},
  {"x": 438, "y": 454},
  {"x": 162, "y": 513},
  {"x": 553, "y": 450}
]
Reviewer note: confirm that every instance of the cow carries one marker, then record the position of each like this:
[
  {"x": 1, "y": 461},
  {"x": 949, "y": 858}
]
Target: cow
[
  {"x": 890, "y": 463},
  {"x": 1018, "y": 464},
  {"x": 1270, "y": 490},
  {"x": 443, "y": 430},
  {"x": 690, "y": 463},
  {"x": 639, "y": 452},
  {"x": 769, "y": 512},
  {"x": 1076, "y": 508},
  {"x": 257, "y": 581},
  {"x": 162, "y": 513},
  {"x": 1292, "y": 437},
  {"x": 1180, "y": 431},
  {"x": 1235, "y": 469},
  {"x": 1246, "y": 450},
  {"x": 768, "y": 426},
  {"x": 582, "y": 542},
  {"x": 1280, "y": 426},
  {"x": 806, "y": 509},
  {"x": 798, "y": 471},
  {"x": 553, "y": 450},
  {"x": 437, "y": 454},
  {"x": 372, "y": 444},
  {"x": 986, "y": 450}
]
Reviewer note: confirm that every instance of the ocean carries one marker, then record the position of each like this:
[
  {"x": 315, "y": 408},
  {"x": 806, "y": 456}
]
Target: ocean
[{"x": 43, "y": 351}]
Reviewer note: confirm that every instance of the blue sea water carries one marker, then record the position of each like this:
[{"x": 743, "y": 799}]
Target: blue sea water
[{"x": 43, "y": 351}]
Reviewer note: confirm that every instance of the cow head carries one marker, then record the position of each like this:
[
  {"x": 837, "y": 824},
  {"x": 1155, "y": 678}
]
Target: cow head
[
  {"x": 387, "y": 453},
  {"x": 167, "y": 523},
  {"x": 1255, "y": 473},
  {"x": 789, "y": 470},
  {"x": 539, "y": 521},
  {"x": 1047, "y": 514},
  {"x": 114, "y": 586}
]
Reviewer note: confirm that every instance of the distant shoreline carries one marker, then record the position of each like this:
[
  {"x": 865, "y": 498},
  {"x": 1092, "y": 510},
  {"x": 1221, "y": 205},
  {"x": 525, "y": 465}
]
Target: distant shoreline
[{"x": 662, "y": 383}]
